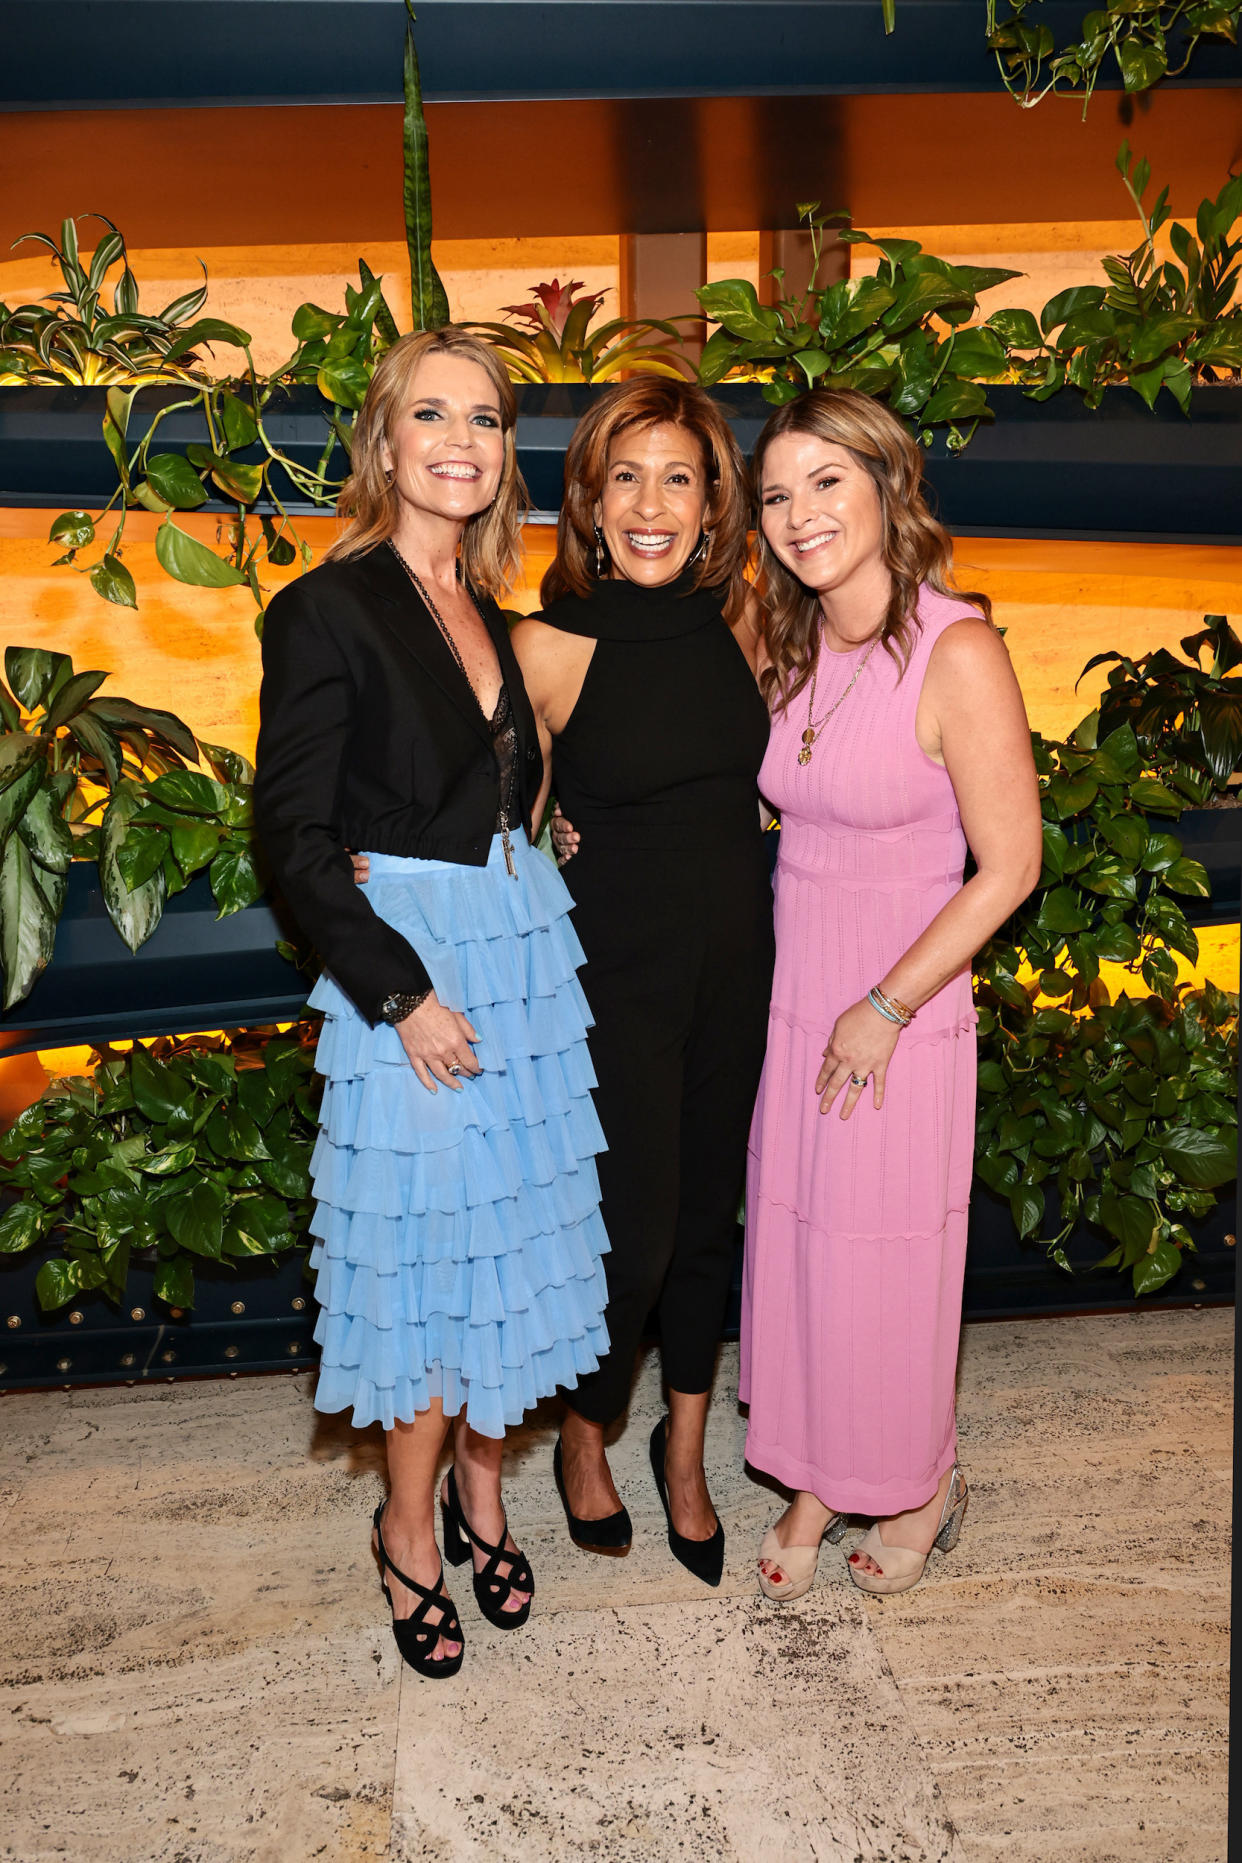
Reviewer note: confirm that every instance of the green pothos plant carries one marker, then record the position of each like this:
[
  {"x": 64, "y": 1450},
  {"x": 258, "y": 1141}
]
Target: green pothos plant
[
  {"x": 88, "y": 777},
  {"x": 191, "y": 1151},
  {"x": 1148, "y": 39},
  {"x": 1097, "y": 1103}
]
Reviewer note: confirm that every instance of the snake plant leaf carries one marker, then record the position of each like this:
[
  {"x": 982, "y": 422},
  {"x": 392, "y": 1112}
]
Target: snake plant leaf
[{"x": 428, "y": 298}]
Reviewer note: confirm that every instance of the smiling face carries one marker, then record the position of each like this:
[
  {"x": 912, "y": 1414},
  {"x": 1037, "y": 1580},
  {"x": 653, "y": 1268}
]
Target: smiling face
[
  {"x": 654, "y": 505},
  {"x": 446, "y": 448},
  {"x": 820, "y": 512}
]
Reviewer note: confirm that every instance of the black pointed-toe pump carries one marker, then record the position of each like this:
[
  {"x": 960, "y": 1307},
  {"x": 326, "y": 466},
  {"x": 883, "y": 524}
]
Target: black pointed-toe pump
[
  {"x": 613, "y": 1534},
  {"x": 705, "y": 1558}
]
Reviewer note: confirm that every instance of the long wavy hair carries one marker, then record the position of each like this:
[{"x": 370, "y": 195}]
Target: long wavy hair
[
  {"x": 648, "y": 401},
  {"x": 916, "y": 548},
  {"x": 491, "y": 547}
]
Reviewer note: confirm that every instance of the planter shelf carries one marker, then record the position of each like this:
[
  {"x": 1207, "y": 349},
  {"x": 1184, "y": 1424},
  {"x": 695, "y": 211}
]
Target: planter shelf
[
  {"x": 1040, "y": 469},
  {"x": 349, "y": 51},
  {"x": 195, "y": 972}
]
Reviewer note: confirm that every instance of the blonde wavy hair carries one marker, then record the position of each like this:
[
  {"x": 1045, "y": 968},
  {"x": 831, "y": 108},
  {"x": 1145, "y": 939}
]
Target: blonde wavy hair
[
  {"x": 916, "y": 548},
  {"x": 649, "y": 401},
  {"x": 491, "y": 547}
]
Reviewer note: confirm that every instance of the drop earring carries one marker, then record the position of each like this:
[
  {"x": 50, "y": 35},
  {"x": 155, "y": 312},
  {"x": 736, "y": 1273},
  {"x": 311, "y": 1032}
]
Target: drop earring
[
  {"x": 702, "y": 550},
  {"x": 601, "y": 555}
]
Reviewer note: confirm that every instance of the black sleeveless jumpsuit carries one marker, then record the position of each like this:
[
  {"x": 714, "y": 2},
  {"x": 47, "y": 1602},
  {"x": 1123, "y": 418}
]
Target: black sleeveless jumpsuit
[{"x": 657, "y": 769}]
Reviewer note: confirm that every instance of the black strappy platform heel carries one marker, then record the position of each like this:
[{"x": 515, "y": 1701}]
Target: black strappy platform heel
[
  {"x": 415, "y": 1637},
  {"x": 491, "y": 1589}
]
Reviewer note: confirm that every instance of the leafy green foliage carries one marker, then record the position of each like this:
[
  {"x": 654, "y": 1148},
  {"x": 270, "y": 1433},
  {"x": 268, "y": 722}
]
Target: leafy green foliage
[
  {"x": 1156, "y": 325},
  {"x": 897, "y": 334},
  {"x": 73, "y": 339},
  {"x": 195, "y": 1149},
  {"x": 559, "y": 346},
  {"x": 1123, "y": 1108},
  {"x": 69, "y": 754},
  {"x": 1140, "y": 34}
]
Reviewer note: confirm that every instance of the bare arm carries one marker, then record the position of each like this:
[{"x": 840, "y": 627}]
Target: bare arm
[{"x": 972, "y": 719}]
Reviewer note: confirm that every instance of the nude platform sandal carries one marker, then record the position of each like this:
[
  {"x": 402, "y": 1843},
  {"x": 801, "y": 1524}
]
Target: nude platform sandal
[
  {"x": 900, "y": 1568},
  {"x": 797, "y": 1562}
]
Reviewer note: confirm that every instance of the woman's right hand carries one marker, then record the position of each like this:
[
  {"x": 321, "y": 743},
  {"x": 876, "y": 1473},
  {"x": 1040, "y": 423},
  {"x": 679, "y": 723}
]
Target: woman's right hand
[
  {"x": 437, "y": 1044},
  {"x": 565, "y": 838}
]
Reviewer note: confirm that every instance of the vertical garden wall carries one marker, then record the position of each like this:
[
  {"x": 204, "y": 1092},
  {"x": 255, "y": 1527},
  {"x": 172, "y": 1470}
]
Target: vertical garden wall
[{"x": 1049, "y": 297}]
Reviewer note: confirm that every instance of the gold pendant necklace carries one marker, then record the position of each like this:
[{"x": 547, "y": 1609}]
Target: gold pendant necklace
[{"x": 812, "y": 729}]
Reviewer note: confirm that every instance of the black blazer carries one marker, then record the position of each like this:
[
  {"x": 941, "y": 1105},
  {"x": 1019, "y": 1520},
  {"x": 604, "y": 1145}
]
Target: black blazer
[{"x": 370, "y": 737}]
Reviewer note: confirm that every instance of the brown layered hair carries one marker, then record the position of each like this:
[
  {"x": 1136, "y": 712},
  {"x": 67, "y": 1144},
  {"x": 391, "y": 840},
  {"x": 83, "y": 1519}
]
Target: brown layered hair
[
  {"x": 916, "y": 548},
  {"x": 491, "y": 549},
  {"x": 649, "y": 401}
]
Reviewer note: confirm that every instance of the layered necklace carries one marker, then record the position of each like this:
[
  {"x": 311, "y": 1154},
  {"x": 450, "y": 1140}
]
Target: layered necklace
[
  {"x": 499, "y": 720},
  {"x": 812, "y": 729}
]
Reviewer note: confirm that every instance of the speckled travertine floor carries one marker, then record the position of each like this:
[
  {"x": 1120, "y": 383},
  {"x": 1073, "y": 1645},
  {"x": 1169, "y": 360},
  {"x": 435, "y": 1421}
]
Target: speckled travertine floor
[{"x": 195, "y": 1666}]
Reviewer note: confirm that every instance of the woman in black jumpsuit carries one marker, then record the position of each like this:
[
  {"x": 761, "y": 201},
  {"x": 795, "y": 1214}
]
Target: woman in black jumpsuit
[{"x": 655, "y": 765}]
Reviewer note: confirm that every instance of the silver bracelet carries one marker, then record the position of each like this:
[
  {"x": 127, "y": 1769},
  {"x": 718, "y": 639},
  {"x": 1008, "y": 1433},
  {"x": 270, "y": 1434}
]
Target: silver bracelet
[{"x": 881, "y": 1008}]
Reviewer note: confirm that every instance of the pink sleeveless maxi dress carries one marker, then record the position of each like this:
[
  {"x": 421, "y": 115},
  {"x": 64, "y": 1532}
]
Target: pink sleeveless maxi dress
[{"x": 856, "y": 1229}]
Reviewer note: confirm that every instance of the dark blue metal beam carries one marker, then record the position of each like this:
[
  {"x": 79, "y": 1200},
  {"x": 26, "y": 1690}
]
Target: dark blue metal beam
[{"x": 90, "y": 54}]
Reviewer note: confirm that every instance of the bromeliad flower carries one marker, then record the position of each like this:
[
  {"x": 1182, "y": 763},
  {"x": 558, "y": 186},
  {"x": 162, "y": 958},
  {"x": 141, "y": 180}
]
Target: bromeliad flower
[{"x": 554, "y": 303}]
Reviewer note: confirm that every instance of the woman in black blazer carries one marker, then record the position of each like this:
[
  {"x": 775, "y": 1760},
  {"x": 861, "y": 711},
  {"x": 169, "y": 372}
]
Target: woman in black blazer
[{"x": 457, "y": 1229}]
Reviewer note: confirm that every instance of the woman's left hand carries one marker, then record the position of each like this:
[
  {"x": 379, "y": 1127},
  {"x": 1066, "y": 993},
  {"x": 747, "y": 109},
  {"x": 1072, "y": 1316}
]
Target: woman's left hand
[{"x": 861, "y": 1044}]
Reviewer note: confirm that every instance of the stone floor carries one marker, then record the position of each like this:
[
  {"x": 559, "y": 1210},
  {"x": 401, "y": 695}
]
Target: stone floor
[{"x": 196, "y": 1667}]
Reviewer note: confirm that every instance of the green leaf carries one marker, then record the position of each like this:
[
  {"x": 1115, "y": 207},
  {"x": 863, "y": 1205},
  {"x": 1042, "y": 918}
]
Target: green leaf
[
  {"x": 159, "y": 1093},
  {"x": 194, "y": 844},
  {"x": 734, "y": 304},
  {"x": 1151, "y": 794},
  {"x": 167, "y": 1162},
  {"x": 311, "y": 322},
  {"x": 1017, "y": 329},
  {"x": 111, "y": 580},
  {"x": 174, "y": 1283},
  {"x": 123, "y": 712},
  {"x": 1153, "y": 1270},
  {"x": 1065, "y": 303},
  {"x": 1026, "y": 1204},
  {"x": 1189, "y": 876},
  {"x": 1061, "y": 912},
  {"x": 135, "y": 913},
  {"x": 32, "y": 672},
  {"x": 44, "y": 829},
  {"x": 188, "y": 560},
  {"x": 287, "y": 1171},
  {"x": 175, "y": 482},
  {"x": 27, "y": 922},
  {"x": 206, "y": 330},
  {"x": 189, "y": 791},
  {"x": 235, "y": 882},
  {"x": 1203, "y": 1159},
  {"x": 1161, "y": 333},
  {"x": 240, "y": 427},
  {"x": 196, "y": 1220},
  {"x": 1132, "y": 1220},
  {"x": 21, "y": 1226},
  {"x": 73, "y": 529},
  {"x": 55, "y": 1284},
  {"x": 428, "y": 298},
  {"x": 345, "y": 382},
  {"x": 1142, "y": 65}
]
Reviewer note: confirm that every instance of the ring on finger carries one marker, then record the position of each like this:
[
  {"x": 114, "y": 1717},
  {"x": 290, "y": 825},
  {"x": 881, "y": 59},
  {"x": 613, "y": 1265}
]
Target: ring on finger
[
  {"x": 454, "y": 1067},
  {"x": 856, "y": 1081}
]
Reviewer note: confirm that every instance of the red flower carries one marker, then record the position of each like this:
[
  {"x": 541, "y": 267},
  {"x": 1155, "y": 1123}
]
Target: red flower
[{"x": 555, "y": 301}]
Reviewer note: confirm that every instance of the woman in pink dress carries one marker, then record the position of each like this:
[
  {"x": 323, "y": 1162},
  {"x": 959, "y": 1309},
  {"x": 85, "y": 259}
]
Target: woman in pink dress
[{"x": 898, "y": 740}]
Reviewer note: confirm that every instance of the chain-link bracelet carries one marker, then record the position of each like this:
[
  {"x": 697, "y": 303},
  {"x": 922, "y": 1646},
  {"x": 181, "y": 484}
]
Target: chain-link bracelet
[{"x": 399, "y": 1005}]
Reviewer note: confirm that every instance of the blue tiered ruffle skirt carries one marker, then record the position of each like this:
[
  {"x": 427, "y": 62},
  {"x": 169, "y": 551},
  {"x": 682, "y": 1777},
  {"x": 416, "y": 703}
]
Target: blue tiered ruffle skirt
[{"x": 458, "y": 1235}]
